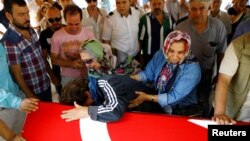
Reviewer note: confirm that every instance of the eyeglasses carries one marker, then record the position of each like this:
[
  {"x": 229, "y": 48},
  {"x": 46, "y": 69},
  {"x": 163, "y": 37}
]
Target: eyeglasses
[
  {"x": 89, "y": 1},
  {"x": 88, "y": 61},
  {"x": 57, "y": 19}
]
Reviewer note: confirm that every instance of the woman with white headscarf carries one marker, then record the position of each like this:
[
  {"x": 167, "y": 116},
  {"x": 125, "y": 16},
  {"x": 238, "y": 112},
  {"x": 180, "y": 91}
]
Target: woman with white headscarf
[{"x": 175, "y": 75}]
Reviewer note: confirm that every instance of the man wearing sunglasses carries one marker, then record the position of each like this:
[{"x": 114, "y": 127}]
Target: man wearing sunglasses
[
  {"x": 94, "y": 17},
  {"x": 65, "y": 45},
  {"x": 54, "y": 20}
]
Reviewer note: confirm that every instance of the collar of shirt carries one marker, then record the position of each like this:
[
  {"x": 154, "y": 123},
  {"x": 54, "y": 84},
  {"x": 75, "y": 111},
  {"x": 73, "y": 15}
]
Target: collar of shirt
[{"x": 129, "y": 12}]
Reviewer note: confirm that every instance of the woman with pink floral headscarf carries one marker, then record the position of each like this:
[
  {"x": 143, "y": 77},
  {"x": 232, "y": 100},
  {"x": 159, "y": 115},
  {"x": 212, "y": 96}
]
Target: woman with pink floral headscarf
[{"x": 174, "y": 74}]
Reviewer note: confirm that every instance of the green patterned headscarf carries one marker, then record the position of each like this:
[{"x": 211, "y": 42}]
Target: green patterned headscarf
[{"x": 94, "y": 48}]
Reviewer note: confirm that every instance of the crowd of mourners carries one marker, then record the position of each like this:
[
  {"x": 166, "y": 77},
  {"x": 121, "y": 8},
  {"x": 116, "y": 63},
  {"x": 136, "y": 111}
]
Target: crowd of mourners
[{"x": 175, "y": 57}]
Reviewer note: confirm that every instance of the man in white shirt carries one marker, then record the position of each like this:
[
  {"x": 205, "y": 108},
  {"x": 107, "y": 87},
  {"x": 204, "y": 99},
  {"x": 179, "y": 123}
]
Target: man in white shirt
[
  {"x": 120, "y": 30},
  {"x": 93, "y": 17}
]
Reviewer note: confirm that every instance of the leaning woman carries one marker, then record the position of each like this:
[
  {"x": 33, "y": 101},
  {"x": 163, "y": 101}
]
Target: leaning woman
[{"x": 174, "y": 74}]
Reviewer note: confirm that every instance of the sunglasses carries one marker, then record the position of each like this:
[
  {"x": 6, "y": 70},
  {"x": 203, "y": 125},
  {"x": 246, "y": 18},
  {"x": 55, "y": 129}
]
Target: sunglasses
[
  {"x": 57, "y": 19},
  {"x": 88, "y": 1},
  {"x": 88, "y": 61}
]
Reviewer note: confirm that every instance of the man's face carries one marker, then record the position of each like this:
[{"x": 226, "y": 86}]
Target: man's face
[
  {"x": 215, "y": 5},
  {"x": 198, "y": 12},
  {"x": 133, "y": 2},
  {"x": 122, "y": 7},
  {"x": 39, "y": 2},
  {"x": 92, "y": 4},
  {"x": 239, "y": 5},
  {"x": 19, "y": 17},
  {"x": 54, "y": 19},
  {"x": 65, "y": 3},
  {"x": 73, "y": 23},
  {"x": 157, "y": 6}
]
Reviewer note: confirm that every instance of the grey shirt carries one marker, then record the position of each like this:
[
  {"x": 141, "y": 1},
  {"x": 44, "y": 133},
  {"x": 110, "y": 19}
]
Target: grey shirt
[{"x": 206, "y": 45}]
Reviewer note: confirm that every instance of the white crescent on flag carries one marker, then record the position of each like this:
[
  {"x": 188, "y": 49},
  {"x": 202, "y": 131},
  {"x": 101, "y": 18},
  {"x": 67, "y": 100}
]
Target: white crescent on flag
[{"x": 93, "y": 130}]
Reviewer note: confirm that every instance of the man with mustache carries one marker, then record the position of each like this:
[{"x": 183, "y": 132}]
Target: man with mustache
[
  {"x": 24, "y": 52},
  {"x": 209, "y": 42},
  {"x": 153, "y": 29}
]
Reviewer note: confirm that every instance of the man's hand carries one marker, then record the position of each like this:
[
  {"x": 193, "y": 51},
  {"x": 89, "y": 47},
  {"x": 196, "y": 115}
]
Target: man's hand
[
  {"x": 29, "y": 105},
  {"x": 75, "y": 113},
  {"x": 223, "y": 119}
]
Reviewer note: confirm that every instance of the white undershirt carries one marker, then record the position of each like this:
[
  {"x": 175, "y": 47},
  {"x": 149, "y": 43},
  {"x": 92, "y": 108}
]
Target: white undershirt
[{"x": 229, "y": 66}]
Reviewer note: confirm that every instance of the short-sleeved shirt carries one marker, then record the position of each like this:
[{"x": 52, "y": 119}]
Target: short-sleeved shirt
[
  {"x": 122, "y": 31},
  {"x": 45, "y": 42},
  {"x": 206, "y": 45},
  {"x": 229, "y": 66},
  {"x": 241, "y": 29},
  {"x": 61, "y": 39},
  {"x": 28, "y": 54},
  {"x": 225, "y": 18},
  {"x": 96, "y": 26},
  {"x": 45, "y": 39}
]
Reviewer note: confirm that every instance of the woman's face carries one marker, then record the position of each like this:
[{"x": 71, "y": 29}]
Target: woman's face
[
  {"x": 176, "y": 52},
  {"x": 90, "y": 61}
]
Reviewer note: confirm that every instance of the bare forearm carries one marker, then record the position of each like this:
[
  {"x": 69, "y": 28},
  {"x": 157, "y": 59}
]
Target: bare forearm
[
  {"x": 221, "y": 94},
  {"x": 16, "y": 72},
  {"x": 5, "y": 132},
  {"x": 151, "y": 97},
  {"x": 61, "y": 62}
]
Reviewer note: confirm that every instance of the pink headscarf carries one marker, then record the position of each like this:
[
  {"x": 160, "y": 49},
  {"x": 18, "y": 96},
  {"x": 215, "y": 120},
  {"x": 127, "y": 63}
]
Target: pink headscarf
[{"x": 176, "y": 36}]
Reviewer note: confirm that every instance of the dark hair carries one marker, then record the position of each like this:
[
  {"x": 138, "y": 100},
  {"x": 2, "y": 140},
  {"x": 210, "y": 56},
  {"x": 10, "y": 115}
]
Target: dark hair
[
  {"x": 232, "y": 11},
  {"x": 74, "y": 90},
  {"x": 8, "y": 4},
  {"x": 57, "y": 6},
  {"x": 72, "y": 9}
]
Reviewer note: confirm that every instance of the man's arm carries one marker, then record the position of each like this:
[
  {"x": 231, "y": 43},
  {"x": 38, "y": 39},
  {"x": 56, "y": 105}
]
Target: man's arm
[
  {"x": 53, "y": 78},
  {"x": 56, "y": 60},
  {"x": 16, "y": 72},
  {"x": 221, "y": 93},
  {"x": 7, "y": 134},
  {"x": 76, "y": 113}
]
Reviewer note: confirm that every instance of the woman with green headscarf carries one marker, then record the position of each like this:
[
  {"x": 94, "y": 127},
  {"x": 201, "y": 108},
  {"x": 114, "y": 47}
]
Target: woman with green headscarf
[{"x": 98, "y": 58}]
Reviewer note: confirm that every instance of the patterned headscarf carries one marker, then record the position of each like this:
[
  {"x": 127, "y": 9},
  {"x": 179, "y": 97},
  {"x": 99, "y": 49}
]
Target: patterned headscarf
[
  {"x": 176, "y": 36},
  {"x": 94, "y": 48}
]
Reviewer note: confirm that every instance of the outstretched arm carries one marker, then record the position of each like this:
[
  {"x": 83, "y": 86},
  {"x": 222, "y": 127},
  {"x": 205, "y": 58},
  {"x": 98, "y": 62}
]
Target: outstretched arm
[
  {"x": 221, "y": 92},
  {"x": 76, "y": 113}
]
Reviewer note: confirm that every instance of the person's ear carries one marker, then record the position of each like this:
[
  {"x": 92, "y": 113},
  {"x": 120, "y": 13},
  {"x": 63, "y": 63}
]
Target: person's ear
[
  {"x": 8, "y": 16},
  {"x": 89, "y": 100}
]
